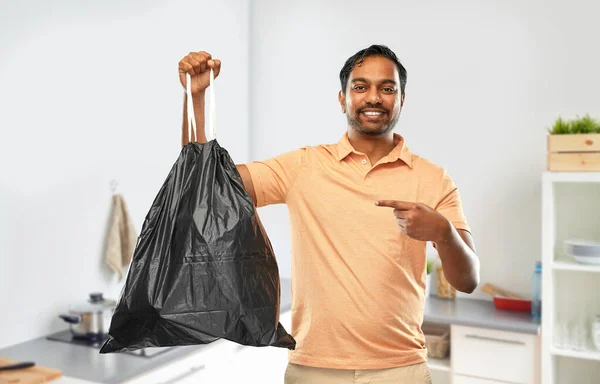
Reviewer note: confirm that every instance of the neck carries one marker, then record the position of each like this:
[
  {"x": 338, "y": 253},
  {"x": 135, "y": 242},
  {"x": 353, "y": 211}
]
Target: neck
[{"x": 375, "y": 147}]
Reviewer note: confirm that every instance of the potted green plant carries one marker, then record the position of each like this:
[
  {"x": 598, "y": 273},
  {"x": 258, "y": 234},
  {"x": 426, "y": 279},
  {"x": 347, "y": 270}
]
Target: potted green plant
[{"x": 574, "y": 145}]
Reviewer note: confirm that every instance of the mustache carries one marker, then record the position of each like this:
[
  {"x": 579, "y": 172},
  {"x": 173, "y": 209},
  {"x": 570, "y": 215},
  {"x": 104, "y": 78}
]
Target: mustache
[{"x": 372, "y": 106}]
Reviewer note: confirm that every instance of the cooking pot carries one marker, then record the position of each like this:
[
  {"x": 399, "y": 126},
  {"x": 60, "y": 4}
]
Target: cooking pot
[{"x": 91, "y": 319}]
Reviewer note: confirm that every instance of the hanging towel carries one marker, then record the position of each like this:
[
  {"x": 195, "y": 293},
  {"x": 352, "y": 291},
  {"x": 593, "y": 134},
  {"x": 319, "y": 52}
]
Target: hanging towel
[{"x": 121, "y": 237}]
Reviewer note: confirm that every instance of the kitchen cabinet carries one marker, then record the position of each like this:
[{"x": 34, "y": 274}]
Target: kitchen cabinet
[
  {"x": 192, "y": 376},
  {"x": 485, "y": 355},
  {"x": 224, "y": 361},
  {"x": 460, "y": 379},
  {"x": 70, "y": 380},
  {"x": 481, "y": 336},
  {"x": 191, "y": 367},
  {"x": 251, "y": 364}
]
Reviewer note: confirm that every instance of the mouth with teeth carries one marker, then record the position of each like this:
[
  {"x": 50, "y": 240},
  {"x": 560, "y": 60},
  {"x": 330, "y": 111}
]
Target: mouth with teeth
[{"x": 373, "y": 114}]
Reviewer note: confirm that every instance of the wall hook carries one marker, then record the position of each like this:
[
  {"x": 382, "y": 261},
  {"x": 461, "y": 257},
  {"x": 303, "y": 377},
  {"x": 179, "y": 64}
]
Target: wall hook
[{"x": 113, "y": 186}]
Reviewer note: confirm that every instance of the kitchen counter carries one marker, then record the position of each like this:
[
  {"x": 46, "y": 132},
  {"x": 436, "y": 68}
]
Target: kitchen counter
[
  {"x": 478, "y": 313},
  {"x": 86, "y": 363},
  {"x": 82, "y": 364}
]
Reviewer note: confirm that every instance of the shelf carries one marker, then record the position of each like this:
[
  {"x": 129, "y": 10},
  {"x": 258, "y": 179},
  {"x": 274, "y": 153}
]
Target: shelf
[
  {"x": 572, "y": 177},
  {"x": 586, "y": 355},
  {"x": 439, "y": 364},
  {"x": 573, "y": 266}
]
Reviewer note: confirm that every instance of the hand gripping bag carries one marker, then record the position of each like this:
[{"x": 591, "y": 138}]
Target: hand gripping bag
[{"x": 203, "y": 268}]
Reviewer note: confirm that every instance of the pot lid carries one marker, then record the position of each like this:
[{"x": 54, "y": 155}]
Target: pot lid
[{"x": 95, "y": 303}]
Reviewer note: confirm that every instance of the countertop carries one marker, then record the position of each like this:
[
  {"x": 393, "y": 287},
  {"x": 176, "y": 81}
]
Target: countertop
[
  {"x": 86, "y": 363},
  {"x": 478, "y": 313}
]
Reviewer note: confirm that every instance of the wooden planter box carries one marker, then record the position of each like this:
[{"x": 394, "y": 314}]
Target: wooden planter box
[{"x": 574, "y": 152}]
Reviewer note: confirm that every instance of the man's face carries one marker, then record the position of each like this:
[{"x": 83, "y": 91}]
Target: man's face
[{"x": 373, "y": 100}]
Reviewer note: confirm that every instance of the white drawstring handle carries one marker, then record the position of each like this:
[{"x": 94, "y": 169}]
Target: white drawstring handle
[{"x": 190, "y": 108}]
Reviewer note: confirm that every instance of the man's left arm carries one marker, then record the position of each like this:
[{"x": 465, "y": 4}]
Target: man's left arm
[
  {"x": 459, "y": 259},
  {"x": 456, "y": 246},
  {"x": 446, "y": 227}
]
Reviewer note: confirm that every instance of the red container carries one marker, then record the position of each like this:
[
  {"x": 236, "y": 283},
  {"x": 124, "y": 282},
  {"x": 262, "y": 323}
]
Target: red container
[{"x": 512, "y": 304}]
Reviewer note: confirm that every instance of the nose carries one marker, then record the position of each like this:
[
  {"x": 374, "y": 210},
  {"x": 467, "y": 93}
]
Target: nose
[{"x": 373, "y": 96}]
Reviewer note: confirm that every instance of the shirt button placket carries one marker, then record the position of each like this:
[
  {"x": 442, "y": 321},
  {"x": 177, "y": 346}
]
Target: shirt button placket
[{"x": 366, "y": 173}]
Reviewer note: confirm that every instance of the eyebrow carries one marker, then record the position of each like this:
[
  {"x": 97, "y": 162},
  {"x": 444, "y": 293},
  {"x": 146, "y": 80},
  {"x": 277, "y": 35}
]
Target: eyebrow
[{"x": 363, "y": 80}]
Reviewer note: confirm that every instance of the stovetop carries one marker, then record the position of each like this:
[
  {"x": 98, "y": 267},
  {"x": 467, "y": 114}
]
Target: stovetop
[{"x": 68, "y": 337}]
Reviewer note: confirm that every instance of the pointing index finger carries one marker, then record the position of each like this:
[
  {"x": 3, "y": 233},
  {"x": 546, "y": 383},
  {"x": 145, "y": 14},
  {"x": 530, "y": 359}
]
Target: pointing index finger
[{"x": 401, "y": 205}]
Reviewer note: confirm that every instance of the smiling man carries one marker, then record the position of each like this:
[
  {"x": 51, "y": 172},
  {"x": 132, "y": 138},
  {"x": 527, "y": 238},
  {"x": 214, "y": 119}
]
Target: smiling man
[{"x": 361, "y": 212}]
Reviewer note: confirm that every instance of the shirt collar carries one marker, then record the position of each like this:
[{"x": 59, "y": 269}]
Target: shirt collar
[{"x": 400, "y": 151}]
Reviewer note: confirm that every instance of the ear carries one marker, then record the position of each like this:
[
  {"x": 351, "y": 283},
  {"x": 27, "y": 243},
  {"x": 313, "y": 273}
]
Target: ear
[
  {"x": 402, "y": 99},
  {"x": 342, "y": 100}
]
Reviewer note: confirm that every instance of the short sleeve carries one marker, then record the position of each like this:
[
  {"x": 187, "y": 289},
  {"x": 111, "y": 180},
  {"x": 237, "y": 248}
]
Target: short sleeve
[
  {"x": 273, "y": 178},
  {"x": 450, "y": 205}
]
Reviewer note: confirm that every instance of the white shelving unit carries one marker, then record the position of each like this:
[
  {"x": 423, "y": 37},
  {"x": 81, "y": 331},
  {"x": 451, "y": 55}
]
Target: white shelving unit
[
  {"x": 586, "y": 355},
  {"x": 570, "y": 210},
  {"x": 573, "y": 266}
]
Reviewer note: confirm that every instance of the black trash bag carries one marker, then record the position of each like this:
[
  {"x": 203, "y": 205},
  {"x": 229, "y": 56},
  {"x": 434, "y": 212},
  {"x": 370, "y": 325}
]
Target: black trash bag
[{"x": 203, "y": 267}]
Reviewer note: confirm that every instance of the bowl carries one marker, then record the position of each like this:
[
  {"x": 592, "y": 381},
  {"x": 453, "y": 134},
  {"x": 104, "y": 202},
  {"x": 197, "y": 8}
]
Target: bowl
[
  {"x": 583, "y": 251},
  {"x": 582, "y": 248}
]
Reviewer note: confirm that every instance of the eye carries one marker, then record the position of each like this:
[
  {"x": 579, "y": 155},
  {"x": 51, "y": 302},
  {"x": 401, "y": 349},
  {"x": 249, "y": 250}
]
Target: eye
[
  {"x": 359, "y": 88},
  {"x": 389, "y": 89}
]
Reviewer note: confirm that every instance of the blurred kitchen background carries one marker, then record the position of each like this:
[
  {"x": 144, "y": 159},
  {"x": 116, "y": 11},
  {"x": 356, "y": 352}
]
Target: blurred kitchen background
[{"x": 89, "y": 93}]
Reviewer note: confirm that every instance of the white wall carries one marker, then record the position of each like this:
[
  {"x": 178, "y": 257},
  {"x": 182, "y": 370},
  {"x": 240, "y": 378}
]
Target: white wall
[
  {"x": 89, "y": 92},
  {"x": 485, "y": 80}
]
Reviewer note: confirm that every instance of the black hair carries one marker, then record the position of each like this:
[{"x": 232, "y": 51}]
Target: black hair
[{"x": 373, "y": 50}]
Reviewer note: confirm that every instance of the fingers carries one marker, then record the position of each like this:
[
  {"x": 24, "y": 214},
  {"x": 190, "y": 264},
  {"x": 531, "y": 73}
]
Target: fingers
[
  {"x": 400, "y": 205},
  {"x": 216, "y": 66},
  {"x": 195, "y": 63},
  {"x": 401, "y": 213},
  {"x": 185, "y": 67},
  {"x": 200, "y": 60}
]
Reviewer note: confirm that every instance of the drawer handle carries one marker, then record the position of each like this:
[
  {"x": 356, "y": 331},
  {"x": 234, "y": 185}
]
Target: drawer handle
[
  {"x": 183, "y": 375},
  {"x": 470, "y": 336}
]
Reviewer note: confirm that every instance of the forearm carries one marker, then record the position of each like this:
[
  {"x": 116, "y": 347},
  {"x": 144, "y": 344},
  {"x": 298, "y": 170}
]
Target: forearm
[
  {"x": 200, "y": 136},
  {"x": 459, "y": 261}
]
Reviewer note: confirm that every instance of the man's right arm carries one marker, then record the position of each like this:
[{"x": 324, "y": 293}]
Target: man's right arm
[{"x": 198, "y": 65}]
